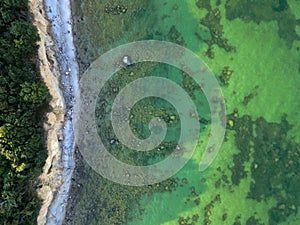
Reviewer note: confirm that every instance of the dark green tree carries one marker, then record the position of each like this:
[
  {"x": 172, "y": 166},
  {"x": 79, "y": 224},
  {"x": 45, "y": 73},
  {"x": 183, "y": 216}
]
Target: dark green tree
[{"x": 23, "y": 100}]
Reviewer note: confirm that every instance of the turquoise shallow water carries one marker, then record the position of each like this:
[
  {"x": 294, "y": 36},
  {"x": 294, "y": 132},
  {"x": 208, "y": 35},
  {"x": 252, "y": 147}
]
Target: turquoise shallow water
[{"x": 255, "y": 55}]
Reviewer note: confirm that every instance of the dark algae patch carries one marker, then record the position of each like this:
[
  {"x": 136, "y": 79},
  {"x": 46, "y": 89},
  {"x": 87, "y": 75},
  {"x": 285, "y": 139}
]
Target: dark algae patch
[
  {"x": 175, "y": 36},
  {"x": 275, "y": 169},
  {"x": 253, "y": 221},
  {"x": 244, "y": 130},
  {"x": 226, "y": 75},
  {"x": 276, "y": 160},
  {"x": 250, "y": 96},
  {"x": 212, "y": 21},
  {"x": 205, "y": 4}
]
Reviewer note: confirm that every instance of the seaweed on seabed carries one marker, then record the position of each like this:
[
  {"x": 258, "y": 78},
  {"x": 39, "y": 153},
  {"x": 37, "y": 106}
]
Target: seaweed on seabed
[
  {"x": 212, "y": 21},
  {"x": 252, "y": 220},
  {"x": 226, "y": 75},
  {"x": 243, "y": 127},
  {"x": 274, "y": 169},
  {"x": 175, "y": 36},
  {"x": 276, "y": 160},
  {"x": 204, "y": 4},
  {"x": 115, "y": 9}
]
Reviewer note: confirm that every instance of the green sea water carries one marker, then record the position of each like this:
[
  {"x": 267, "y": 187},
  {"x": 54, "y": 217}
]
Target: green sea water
[{"x": 253, "y": 47}]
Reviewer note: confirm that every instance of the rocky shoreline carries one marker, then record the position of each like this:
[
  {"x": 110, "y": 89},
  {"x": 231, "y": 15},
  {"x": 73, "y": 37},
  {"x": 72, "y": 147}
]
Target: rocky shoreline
[{"x": 58, "y": 68}]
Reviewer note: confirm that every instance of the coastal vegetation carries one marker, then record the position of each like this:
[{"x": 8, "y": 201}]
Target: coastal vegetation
[{"x": 23, "y": 101}]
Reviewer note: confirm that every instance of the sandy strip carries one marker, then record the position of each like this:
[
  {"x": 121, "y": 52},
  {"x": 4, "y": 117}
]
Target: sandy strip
[{"x": 57, "y": 172}]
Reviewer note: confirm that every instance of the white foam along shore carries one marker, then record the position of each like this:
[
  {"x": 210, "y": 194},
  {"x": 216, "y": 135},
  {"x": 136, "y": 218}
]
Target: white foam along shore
[
  {"x": 59, "y": 15},
  {"x": 59, "y": 69}
]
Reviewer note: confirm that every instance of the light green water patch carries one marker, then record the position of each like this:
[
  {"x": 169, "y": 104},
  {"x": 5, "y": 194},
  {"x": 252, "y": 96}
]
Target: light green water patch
[
  {"x": 258, "y": 62},
  {"x": 294, "y": 7},
  {"x": 262, "y": 65},
  {"x": 262, "y": 60}
]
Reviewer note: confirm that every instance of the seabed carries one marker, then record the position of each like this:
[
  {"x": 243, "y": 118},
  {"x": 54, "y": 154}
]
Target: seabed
[{"x": 254, "y": 50}]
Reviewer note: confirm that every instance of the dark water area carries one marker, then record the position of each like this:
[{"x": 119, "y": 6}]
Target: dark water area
[{"x": 253, "y": 48}]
